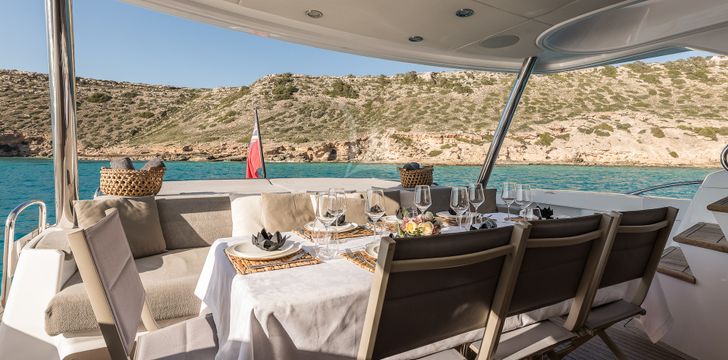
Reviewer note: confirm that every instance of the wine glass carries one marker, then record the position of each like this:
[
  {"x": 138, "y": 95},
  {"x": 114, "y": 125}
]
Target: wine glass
[
  {"x": 423, "y": 198},
  {"x": 325, "y": 204},
  {"x": 459, "y": 202},
  {"x": 374, "y": 206},
  {"x": 523, "y": 197},
  {"x": 339, "y": 202},
  {"x": 508, "y": 194},
  {"x": 476, "y": 195}
]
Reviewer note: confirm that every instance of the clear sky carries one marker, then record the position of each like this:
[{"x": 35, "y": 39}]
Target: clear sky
[{"x": 118, "y": 41}]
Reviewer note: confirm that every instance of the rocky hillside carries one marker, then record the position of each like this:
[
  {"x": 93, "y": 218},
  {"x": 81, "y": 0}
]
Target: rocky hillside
[{"x": 672, "y": 114}]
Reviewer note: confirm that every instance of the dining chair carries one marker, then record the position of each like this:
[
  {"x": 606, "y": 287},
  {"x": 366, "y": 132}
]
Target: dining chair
[
  {"x": 635, "y": 254},
  {"x": 117, "y": 297},
  {"x": 561, "y": 261},
  {"x": 428, "y": 289}
]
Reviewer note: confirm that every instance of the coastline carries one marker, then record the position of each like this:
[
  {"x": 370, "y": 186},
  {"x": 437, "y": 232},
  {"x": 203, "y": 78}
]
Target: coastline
[{"x": 706, "y": 166}]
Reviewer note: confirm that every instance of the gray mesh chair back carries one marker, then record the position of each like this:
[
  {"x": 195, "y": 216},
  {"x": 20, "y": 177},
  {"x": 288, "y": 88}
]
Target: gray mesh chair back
[
  {"x": 561, "y": 261},
  {"x": 638, "y": 245},
  {"x": 431, "y": 288}
]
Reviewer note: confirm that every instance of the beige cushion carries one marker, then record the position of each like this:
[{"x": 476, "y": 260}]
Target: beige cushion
[
  {"x": 285, "y": 212},
  {"x": 189, "y": 340},
  {"x": 194, "y": 222},
  {"x": 246, "y": 214},
  {"x": 139, "y": 218},
  {"x": 169, "y": 281}
]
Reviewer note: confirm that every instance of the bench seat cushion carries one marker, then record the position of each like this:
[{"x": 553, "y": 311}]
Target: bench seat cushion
[{"x": 169, "y": 280}]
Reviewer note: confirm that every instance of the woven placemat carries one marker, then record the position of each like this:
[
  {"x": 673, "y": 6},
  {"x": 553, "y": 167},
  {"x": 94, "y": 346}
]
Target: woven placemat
[
  {"x": 358, "y": 232},
  {"x": 245, "y": 266},
  {"x": 361, "y": 259}
]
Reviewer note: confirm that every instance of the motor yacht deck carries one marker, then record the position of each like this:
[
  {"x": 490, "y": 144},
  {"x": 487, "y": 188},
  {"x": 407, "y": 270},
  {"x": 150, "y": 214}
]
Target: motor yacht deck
[{"x": 57, "y": 305}]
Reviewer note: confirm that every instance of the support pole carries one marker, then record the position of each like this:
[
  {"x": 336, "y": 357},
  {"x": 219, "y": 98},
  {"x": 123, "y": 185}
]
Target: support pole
[
  {"x": 62, "y": 79},
  {"x": 505, "y": 120}
]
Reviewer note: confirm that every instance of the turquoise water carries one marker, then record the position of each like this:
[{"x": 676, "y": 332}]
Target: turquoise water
[{"x": 25, "y": 179}]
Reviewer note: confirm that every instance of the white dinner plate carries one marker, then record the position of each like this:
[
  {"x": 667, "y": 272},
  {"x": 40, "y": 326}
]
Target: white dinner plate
[
  {"x": 338, "y": 228},
  {"x": 247, "y": 250},
  {"x": 390, "y": 218},
  {"x": 372, "y": 249}
]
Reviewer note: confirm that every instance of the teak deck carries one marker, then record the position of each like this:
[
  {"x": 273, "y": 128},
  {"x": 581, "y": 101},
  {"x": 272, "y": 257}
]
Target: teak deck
[
  {"x": 704, "y": 235},
  {"x": 720, "y": 205},
  {"x": 673, "y": 264}
]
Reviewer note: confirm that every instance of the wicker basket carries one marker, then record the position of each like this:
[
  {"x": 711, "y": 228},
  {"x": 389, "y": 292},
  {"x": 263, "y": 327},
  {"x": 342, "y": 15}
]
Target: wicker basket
[
  {"x": 412, "y": 178},
  {"x": 123, "y": 182}
]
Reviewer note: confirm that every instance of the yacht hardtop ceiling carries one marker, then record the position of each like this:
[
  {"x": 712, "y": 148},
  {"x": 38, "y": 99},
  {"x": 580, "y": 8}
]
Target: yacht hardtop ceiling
[{"x": 494, "y": 35}]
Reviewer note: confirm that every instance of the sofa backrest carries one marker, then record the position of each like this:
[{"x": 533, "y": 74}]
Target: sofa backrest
[{"x": 194, "y": 222}]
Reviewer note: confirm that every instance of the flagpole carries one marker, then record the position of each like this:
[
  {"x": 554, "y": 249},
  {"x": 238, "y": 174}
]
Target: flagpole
[{"x": 260, "y": 143}]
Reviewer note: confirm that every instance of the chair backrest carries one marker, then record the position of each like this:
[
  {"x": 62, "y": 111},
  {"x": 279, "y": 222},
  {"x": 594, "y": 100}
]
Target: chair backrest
[
  {"x": 641, "y": 237},
  {"x": 112, "y": 282},
  {"x": 562, "y": 259},
  {"x": 431, "y": 288}
]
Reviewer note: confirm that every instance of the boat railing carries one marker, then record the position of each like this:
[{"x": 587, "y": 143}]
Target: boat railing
[
  {"x": 10, "y": 242},
  {"x": 724, "y": 158},
  {"x": 665, "y": 186}
]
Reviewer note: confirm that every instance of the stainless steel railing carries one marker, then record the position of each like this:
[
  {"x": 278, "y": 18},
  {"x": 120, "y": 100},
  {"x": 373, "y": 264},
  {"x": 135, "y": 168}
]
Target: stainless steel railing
[
  {"x": 10, "y": 241},
  {"x": 665, "y": 186},
  {"x": 724, "y": 158}
]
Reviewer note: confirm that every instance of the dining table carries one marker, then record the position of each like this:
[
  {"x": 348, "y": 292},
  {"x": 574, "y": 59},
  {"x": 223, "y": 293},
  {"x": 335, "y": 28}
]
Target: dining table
[{"x": 317, "y": 311}]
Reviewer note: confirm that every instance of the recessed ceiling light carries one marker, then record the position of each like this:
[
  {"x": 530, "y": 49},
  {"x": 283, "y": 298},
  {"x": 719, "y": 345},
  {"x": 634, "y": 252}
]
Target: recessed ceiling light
[
  {"x": 464, "y": 13},
  {"x": 314, "y": 14},
  {"x": 416, "y": 38}
]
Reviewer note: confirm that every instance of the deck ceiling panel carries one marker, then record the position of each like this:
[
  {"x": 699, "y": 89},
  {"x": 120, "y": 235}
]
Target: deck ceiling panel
[
  {"x": 564, "y": 34},
  {"x": 438, "y": 25}
]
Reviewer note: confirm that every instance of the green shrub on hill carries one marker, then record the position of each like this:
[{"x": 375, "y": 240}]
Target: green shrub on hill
[
  {"x": 657, "y": 132},
  {"x": 339, "y": 88},
  {"x": 98, "y": 97},
  {"x": 544, "y": 139}
]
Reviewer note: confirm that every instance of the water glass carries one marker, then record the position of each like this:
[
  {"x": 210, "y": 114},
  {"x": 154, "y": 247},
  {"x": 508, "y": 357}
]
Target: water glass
[
  {"x": 423, "y": 198},
  {"x": 508, "y": 194},
  {"x": 524, "y": 197},
  {"x": 476, "y": 195},
  {"x": 374, "y": 206},
  {"x": 325, "y": 205},
  {"x": 459, "y": 201}
]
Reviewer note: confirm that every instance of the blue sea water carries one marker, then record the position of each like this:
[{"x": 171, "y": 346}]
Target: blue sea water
[{"x": 23, "y": 179}]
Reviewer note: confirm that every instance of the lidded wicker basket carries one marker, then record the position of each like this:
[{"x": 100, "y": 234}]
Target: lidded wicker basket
[
  {"x": 412, "y": 178},
  {"x": 124, "y": 182}
]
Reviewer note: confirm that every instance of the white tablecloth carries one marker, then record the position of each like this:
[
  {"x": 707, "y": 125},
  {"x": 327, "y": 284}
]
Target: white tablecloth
[{"x": 317, "y": 311}]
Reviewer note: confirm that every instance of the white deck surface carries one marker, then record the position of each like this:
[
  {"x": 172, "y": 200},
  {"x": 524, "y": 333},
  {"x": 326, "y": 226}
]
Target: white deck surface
[{"x": 258, "y": 186}]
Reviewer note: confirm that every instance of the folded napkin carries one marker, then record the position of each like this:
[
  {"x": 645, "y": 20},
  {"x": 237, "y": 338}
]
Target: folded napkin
[
  {"x": 451, "y": 212},
  {"x": 121, "y": 163},
  {"x": 341, "y": 220},
  {"x": 267, "y": 241},
  {"x": 155, "y": 163},
  {"x": 486, "y": 224}
]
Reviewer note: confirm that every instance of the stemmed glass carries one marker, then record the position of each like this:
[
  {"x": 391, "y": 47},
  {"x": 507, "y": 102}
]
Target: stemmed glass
[
  {"x": 423, "y": 198},
  {"x": 340, "y": 202},
  {"x": 459, "y": 202},
  {"x": 374, "y": 207},
  {"x": 325, "y": 204},
  {"x": 524, "y": 198},
  {"x": 476, "y": 195},
  {"x": 508, "y": 194}
]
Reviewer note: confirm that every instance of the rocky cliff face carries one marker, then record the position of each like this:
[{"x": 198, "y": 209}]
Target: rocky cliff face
[{"x": 670, "y": 114}]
